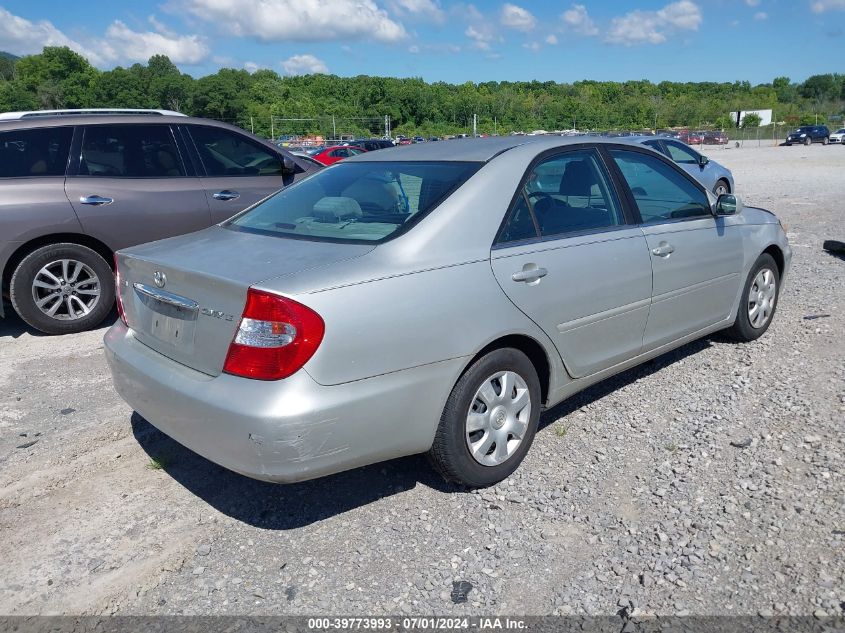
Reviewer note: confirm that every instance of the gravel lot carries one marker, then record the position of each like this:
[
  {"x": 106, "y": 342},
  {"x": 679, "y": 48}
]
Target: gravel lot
[{"x": 708, "y": 481}]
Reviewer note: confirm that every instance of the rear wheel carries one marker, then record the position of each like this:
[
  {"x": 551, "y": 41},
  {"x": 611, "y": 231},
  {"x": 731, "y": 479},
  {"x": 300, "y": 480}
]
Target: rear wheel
[
  {"x": 759, "y": 301},
  {"x": 825, "y": 140},
  {"x": 62, "y": 289},
  {"x": 489, "y": 421},
  {"x": 722, "y": 187},
  {"x": 808, "y": 141}
]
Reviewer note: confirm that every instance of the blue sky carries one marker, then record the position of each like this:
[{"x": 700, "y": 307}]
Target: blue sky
[{"x": 449, "y": 40}]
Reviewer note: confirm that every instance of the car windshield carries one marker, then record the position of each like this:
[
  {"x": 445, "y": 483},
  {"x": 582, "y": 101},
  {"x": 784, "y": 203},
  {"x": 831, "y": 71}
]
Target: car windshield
[{"x": 355, "y": 202}]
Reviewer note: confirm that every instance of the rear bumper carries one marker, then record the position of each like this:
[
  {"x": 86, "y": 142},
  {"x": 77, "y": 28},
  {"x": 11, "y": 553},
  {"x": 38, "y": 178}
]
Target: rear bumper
[{"x": 282, "y": 431}]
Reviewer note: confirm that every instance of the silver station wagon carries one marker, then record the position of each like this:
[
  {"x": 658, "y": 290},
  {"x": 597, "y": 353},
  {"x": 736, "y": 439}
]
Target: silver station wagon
[{"x": 432, "y": 298}]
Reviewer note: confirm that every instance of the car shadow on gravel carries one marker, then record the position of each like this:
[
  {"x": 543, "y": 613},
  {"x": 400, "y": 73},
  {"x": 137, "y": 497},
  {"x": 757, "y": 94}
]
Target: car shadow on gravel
[
  {"x": 13, "y": 326},
  {"x": 282, "y": 506},
  {"x": 609, "y": 385},
  {"x": 288, "y": 506}
]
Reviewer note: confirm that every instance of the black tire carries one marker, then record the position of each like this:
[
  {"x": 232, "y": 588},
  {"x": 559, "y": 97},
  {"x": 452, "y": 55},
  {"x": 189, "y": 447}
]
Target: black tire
[
  {"x": 723, "y": 183},
  {"x": 449, "y": 454},
  {"x": 742, "y": 330},
  {"x": 21, "y": 289},
  {"x": 825, "y": 140},
  {"x": 808, "y": 141},
  {"x": 788, "y": 144}
]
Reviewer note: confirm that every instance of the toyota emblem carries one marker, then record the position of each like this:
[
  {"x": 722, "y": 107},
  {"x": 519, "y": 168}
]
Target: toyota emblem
[{"x": 159, "y": 278}]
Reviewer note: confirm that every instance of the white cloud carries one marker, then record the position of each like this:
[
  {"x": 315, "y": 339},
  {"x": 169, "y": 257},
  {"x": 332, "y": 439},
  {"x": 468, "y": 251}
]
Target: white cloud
[
  {"x": 820, "y": 6},
  {"x": 22, "y": 37},
  {"x": 426, "y": 9},
  {"x": 304, "y": 65},
  {"x": 577, "y": 19},
  {"x": 517, "y": 18},
  {"x": 532, "y": 46},
  {"x": 654, "y": 27},
  {"x": 551, "y": 39},
  {"x": 761, "y": 15},
  {"x": 481, "y": 37},
  {"x": 124, "y": 44},
  {"x": 300, "y": 20}
]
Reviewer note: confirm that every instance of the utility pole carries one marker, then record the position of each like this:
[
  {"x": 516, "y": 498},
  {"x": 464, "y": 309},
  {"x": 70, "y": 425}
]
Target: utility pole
[
  {"x": 272, "y": 130},
  {"x": 495, "y": 126},
  {"x": 334, "y": 129},
  {"x": 474, "y": 125},
  {"x": 251, "y": 124}
]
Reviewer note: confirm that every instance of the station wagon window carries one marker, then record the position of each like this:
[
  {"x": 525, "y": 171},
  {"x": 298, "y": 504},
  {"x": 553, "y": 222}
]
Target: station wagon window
[
  {"x": 226, "y": 153},
  {"x": 130, "y": 151},
  {"x": 566, "y": 193},
  {"x": 356, "y": 202},
  {"x": 34, "y": 152},
  {"x": 681, "y": 154},
  {"x": 661, "y": 193}
]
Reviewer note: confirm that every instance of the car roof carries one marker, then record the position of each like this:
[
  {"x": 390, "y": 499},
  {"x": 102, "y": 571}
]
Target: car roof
[
  {"x": 103, "y": 119},
  {"x": 477, "y": 150}
]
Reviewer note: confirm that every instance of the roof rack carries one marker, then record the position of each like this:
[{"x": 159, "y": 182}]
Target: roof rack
[{"x": 14, "y": 116}]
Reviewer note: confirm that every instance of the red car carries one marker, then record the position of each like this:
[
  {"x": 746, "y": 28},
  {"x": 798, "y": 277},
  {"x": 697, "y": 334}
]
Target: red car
[
  {"x": 331, "y": 155},
  {"x": 691, "y": 138}
]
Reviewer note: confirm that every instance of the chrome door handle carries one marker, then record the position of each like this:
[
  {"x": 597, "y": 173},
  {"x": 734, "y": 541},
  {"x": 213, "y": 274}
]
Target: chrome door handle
[
  {"x": 226, "y": 195},
  {"x": 529, "y": 274},
  {"x": 95, "y": 200},
  {"x": 664, "y": 250}
]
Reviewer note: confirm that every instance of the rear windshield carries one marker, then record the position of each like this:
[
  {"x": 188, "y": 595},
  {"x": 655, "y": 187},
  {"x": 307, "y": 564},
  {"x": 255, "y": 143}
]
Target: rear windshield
[{"x": 356, "y": 202}]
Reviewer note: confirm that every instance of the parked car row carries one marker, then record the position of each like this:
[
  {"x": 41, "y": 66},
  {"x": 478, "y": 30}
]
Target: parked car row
[{"x": 809, "y": 134}]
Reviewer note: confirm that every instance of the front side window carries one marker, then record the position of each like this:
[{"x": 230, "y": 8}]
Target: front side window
[
  {"x": 355, "y": 202},
  {"x": 226, "y": 153},
  {"x": 35, "y": 152},
  {"x": 681, "y": 154},
  {"x": 130, "y": 151},
  {"x": 661, "y": 193},
  {"x": 568, "y": 193}
]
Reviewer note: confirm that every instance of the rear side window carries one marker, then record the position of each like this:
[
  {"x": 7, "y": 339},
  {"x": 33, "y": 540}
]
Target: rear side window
[
  {"x": 661, "y": 193},
  {"x": 681, "y": 154},
  {"x": 31, "y": 153},
  {"x": 130, "y": 151},
  {"x": 226, "y": 153},
  {"x": 356, "y": 202},
  {"x": 566, "y": 193}
]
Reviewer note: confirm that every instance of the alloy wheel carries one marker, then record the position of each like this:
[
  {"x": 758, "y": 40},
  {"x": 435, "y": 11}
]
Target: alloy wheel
[{"x": 66, "y": 289}]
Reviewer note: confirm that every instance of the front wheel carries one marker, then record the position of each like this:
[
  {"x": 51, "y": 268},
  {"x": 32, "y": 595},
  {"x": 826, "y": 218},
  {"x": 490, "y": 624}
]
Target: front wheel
[
  {"x": 722, "y": 187},
  {"x": 808, "y": 141},
  {"x": 758, "y": 302},
  {"x": 63, "y": 289},
  {"x": 489, "y": 421},
  {"x": 825, "y": 141}
]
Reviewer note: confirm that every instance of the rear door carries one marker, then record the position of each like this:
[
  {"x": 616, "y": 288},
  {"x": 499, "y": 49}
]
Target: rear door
[
  {"x": 570, "y": 260},
  {"x": 696, "y": 258},
  {"x": 236, "y": 171},
  {"x": 131, "y": 185}
]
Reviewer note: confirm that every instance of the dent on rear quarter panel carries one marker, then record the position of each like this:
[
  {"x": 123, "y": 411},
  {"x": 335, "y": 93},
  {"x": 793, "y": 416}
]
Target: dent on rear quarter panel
[
  {"x": 401, "y": 322},
  {"x": 302, "y": 442}
]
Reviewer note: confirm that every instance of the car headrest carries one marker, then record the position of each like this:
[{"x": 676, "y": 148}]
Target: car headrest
[{"x": 336, "y": 208}]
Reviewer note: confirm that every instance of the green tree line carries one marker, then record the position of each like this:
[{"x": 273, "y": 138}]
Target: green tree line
[{"x": 60, "y": 78}]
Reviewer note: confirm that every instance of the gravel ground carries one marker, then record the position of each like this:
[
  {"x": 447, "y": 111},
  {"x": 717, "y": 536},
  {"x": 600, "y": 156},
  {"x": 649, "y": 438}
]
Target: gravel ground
[{"x": 708, "y": 481}]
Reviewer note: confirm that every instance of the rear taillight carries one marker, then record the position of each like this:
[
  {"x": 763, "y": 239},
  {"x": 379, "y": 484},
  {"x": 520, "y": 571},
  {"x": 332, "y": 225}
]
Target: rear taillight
[
  {"x": 120, "y": 311},
  {"x": 275, "y": 338}
]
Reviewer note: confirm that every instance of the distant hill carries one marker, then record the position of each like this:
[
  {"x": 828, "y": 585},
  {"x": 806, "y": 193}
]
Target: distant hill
[{"x": 6, "y": 55}]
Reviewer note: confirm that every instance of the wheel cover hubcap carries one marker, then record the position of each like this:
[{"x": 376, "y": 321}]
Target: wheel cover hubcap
[
  {"x": 498, "y": 418},
  {"x": 761, "y": 298},
  {"x": 66, "y": 289}
]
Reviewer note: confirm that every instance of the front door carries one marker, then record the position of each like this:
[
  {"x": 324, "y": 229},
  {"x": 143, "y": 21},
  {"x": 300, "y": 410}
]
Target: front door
[
  {"x": 569, "y": 261},
  {"x": 238, "y": 171},
  {"x": 696, "y": 258}
]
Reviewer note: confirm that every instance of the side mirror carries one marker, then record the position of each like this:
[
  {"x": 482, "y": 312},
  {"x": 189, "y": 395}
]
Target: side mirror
[
  {"x": 727, "y": 204},
  {"x": 288, "y": 166},
  {"x": 703, "y": 160}
]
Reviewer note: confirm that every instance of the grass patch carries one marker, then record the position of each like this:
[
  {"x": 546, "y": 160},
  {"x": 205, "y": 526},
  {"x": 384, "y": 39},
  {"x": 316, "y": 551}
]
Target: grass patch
[
  {"x": 158, "y": 463},
  {"x": 561, "y": 431}
]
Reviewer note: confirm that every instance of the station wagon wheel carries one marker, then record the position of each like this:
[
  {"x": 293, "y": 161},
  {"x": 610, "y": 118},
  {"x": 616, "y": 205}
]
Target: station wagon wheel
[
  {"x": 62, "y": 288},
  {"x": 759, "y": 301},
  {"x": 489, "y": 421}
]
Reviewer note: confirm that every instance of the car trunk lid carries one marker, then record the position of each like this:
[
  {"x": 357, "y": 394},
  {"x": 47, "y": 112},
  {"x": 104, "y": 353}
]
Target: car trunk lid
[{"x": 184, "y": 296}]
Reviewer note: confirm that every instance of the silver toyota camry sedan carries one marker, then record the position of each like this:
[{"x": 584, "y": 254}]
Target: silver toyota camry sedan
[{"x": 432, "y": 298}]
